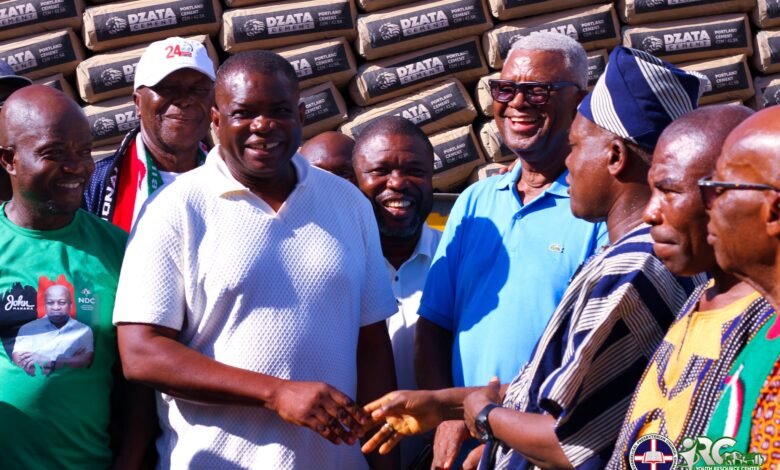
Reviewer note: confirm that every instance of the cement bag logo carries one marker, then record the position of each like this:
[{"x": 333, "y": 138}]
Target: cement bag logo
[
  {"x": 103, "y": 126},
  {"x": 687, "y": 40},
  {"x": 426, "y": 22},
  {"x": 565, "y": 29},
  {"x": 421, "y": 69},
  {"x": 18, "y": 14},
  {"x": 652, "y": 44},
  {"x": 22, "y": 60},
  {"x": 437, "y": 163},
  {"x": 290, "y": 23},
  {"x": 151, "y": 19},
  {"x": 253, "y": 28},
  {"x": 302, "y": 67},
  {"x": 417, "y": 113},
  {"x": 386, "y": 80},
  {"x": 110, "y": 77},
  {"x": 653, "y": 3},
  {"x": 389, "y": 31},
  {"x": 116, "y": 25}
]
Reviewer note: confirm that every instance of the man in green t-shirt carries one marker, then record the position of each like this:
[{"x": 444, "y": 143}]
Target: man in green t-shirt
[{"x": 59, "y": 267}]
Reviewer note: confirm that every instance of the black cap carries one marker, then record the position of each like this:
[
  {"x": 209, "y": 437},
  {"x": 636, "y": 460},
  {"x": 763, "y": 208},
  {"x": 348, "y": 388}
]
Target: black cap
[{"x": 7, "y": 75}]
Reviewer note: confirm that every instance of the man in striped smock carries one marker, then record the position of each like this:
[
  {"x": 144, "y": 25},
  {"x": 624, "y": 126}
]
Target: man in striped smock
[{"x": 565, "y": 408}]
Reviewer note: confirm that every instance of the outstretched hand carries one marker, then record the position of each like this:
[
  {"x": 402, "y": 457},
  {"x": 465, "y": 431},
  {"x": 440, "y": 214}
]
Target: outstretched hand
[{"x": 405, "y": 413}]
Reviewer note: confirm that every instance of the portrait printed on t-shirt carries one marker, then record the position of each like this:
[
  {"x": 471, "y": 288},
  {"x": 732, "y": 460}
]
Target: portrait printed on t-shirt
[{"x": 39, "y": 329}]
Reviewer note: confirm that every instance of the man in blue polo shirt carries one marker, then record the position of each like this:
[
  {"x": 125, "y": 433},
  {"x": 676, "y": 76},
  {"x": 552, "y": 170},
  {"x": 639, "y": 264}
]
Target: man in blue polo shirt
[{"x": 511, "y": 243}]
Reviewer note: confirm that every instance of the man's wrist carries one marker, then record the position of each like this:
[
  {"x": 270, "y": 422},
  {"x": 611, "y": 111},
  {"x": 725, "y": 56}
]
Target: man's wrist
[{"x": 482, "y": 423}]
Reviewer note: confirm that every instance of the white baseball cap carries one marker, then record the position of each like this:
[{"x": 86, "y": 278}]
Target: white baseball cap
[{"x": 162, "y": 58}]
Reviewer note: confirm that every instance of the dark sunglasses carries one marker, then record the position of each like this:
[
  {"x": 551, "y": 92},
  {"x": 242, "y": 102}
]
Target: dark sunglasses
[
  {"x": 710, "y": 190},
  {"x": 536, "y": 93}
]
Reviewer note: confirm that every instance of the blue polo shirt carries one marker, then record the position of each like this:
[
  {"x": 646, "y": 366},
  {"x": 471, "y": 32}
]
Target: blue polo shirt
[{"x": 499, "y": 272}]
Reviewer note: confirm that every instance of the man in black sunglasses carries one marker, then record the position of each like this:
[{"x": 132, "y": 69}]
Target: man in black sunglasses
[{"x": 743, "y": 201}]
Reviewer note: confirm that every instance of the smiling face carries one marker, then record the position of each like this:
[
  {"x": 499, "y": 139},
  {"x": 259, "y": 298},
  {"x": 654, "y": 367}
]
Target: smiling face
[
  {"x": 535, "y": 131},
  {"x": 676, "y": 210},
  {"x": 258, "y": 120},
  {"x": 395, "y": 171},
  {"x": 174, "y": 113}
]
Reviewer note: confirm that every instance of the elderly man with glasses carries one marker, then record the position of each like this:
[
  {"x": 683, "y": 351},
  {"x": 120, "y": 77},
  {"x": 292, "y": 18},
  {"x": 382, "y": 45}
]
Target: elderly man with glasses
[{"x": 511, "y": 243}]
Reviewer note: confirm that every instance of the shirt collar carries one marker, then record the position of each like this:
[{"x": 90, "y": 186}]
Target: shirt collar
[
  {"x": 227, "y": 183},
  {"x": 559, "y": 187},
  {"x": 425, "y": 246}
]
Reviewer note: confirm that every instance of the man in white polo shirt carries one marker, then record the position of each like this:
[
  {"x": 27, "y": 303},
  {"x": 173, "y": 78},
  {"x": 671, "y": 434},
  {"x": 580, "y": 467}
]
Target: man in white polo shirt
[{"x": 254, "y": 295}]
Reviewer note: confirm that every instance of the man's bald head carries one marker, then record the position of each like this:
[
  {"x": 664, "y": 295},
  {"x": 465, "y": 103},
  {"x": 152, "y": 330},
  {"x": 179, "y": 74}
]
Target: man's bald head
[
  {"x": 37, "y": 107},
  {"x": 331, "y": 151},
  {"x": 753, "y": 144}
]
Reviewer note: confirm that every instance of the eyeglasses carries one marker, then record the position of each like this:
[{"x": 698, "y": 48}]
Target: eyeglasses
[
  {"x": 536, "y": 93},
  {"x": 710, "y": 190}
]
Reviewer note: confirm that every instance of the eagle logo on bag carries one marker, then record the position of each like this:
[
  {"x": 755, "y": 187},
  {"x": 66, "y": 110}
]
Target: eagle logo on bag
[
  {"x": 652, "y": 44},
  {"x": 103, "y": 126},
  {"x": 111, "y": 77},
  {"x": 116, "y": 25},
  {"x": 389, "y": 31},
  {"x": 253, "y": 28},
  {"x": 385, "y": 80}
]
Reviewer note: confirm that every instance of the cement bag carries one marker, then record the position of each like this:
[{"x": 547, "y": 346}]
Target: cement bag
[
  {"x": 58, "y": 82},
  {"x": 22, "y": 17},
  {"x": 727, "y": 103},
  {"x": 43, "y": 54},
  {"x": 729, "y": 78},
  {"x": 482, "y": 94},
  {"x": 767, "y": 56},
  {"x": 682, "y": 41},
  {"x": 441, "y": 106},
  {"x": 144, "y": 21},
  {"x": 245, "y": 3},
  {"x": 597, "y": 62},
  {"x": 325, "y": 109},
  {"x": 766, "y": 14},
  {"x": 286, "y": 23},
  {"x": 486, "y": 171},
  {"x": 111, "y": 120},
  {"x": 648, "y": 11},
  {"x": 511, "y": 9},
  {"x": 100, "y": 153},
  {"x": 455, "y": 155},
  {"x": 321, "y": 61},
  {"x": 767, "y": 91},
  {"x": 422, "y": 24},
  {"x": 493, "y": 144},
  {"x": 594, "y": 27},
  {"x": 374, "y": 5},
  {"x": 401, "y": 75},
  {"x": 108, "y": 75}
]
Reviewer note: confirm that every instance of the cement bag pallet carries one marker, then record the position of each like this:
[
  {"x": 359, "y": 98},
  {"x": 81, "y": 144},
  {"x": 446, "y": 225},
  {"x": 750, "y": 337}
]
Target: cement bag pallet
[
  {"x": 486, "y": 171},
  {"x": 597, "y": 62},
  {"x": 373, "y": 5},
  {"x": 286, "y": 23},
  {"x": 58, "y": 82},
  {"x": 111, "y": 120},
  {"x": 322, "y": 61},
  {"x": 105, "y": 76},
  {"x": 456, "y": 153},
  {"x": 43, "y": 54},
  {"x": 649, "y": 11},
  {"x": 767, "y": 56},
  {"x": 767, "y": 91},
  {"x": 325, "y": 109},
  {"x": 727, "y": 103},
  {"x": 246, "y": 3},
  {"x": 594, "y": 27},
  {"x": 442, "y": 106},
  {"x": 767, "y": 13},
  {"x": 143, "y": 21},
  {"x": 729, "y": 78},
  {"x": 492, "y": 143},
  {"x": 23, "y": 17},
  {"x": 422, "y": 24},
  {"x": 511, "y": 9},
  {"x": 682, "y": 41},
  {"x": 403, "y": 74}
]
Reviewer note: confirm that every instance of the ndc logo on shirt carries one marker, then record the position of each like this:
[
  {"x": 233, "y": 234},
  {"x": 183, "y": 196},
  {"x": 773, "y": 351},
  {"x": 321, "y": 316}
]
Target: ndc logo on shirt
[
  {"x": 18, "y": 14},
  {"x": 86, "y": 300}
]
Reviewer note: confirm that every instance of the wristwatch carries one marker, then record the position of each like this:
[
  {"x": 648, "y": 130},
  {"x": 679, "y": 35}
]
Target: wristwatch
[{"x": 484, "y": 433}]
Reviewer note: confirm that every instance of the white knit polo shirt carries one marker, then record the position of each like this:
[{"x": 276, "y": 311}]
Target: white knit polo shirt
[{"x": 282, "y": 293}]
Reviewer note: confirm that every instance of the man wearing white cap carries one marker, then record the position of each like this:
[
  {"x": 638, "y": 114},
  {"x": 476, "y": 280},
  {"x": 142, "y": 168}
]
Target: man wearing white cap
[{"x": 173, "y": 93}]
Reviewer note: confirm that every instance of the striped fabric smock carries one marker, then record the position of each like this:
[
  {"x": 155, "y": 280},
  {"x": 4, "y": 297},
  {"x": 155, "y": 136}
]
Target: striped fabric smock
[{"x": 595, "y": 348}]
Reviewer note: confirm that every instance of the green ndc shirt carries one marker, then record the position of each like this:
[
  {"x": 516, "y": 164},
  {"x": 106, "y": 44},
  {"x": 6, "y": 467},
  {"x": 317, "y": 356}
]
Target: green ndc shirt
[{"x": 56, "y": 382}]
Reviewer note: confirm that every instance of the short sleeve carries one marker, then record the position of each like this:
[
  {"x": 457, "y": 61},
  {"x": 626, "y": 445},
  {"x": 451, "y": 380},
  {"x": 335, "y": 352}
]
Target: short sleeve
[
  {"x": 151, "y": 285},
  {"x": 377, "y": 301},
  {"x": 438, "y": 299}
]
